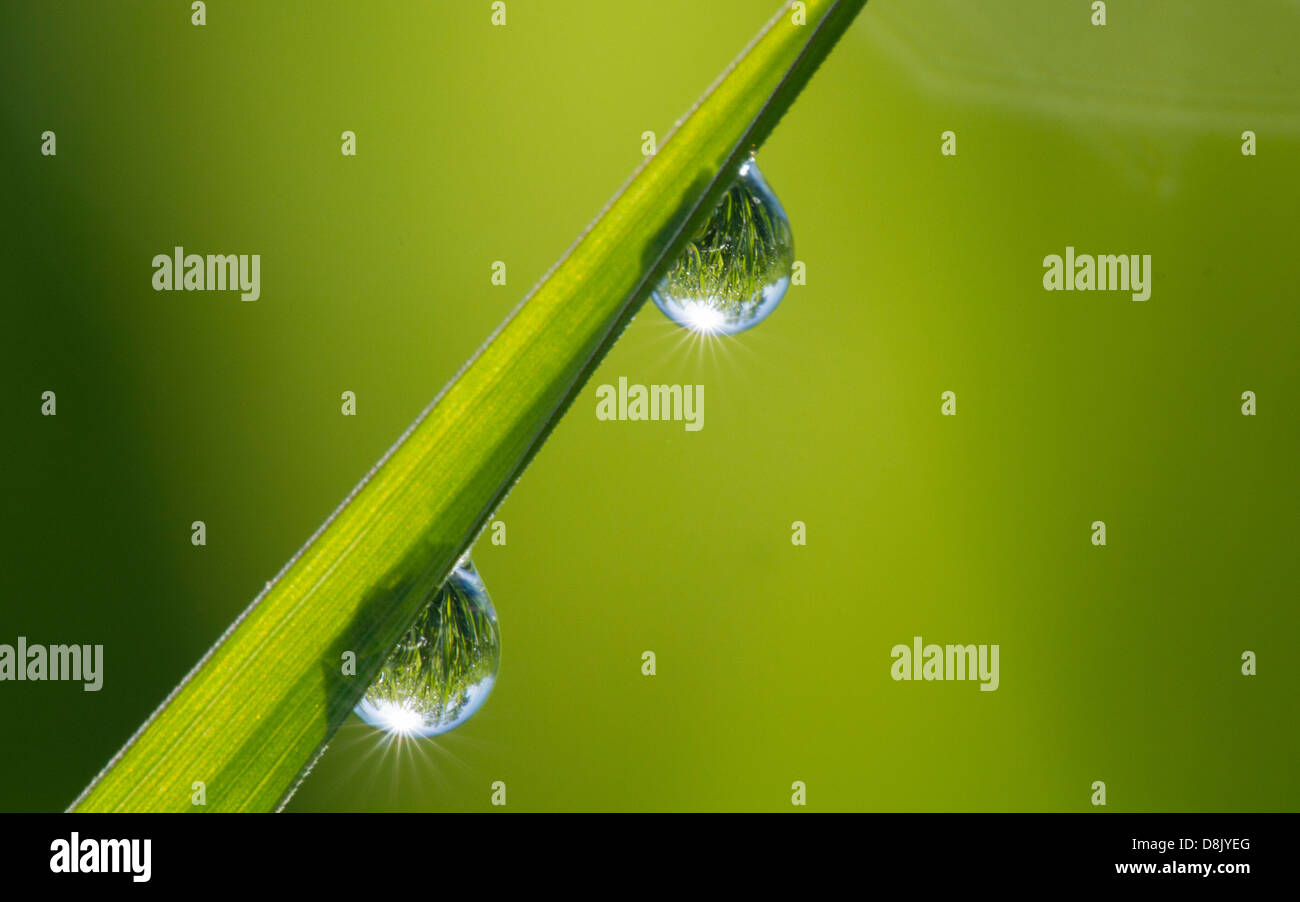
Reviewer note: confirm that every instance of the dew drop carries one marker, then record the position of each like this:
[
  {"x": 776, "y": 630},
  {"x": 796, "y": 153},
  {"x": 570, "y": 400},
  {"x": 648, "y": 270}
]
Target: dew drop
[
  {"x": 737, "y": 268},
  {"x": 443, "y": 669}
]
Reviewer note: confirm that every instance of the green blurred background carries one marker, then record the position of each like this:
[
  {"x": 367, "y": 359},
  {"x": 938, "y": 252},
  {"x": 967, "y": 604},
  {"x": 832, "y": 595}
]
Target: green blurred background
[{"x": 479, "y": 143}]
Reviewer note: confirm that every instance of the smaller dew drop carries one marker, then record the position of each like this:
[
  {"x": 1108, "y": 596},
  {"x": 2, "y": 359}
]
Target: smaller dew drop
[
  {"x": 737, "y": 267},
  {"x": 443, "y": 669}
]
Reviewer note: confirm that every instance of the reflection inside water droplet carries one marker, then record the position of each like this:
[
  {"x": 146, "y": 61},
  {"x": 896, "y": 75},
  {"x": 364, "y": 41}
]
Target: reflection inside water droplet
[
  {"x": 737, "y": 268},
  {"x": 443, "y": 669}
]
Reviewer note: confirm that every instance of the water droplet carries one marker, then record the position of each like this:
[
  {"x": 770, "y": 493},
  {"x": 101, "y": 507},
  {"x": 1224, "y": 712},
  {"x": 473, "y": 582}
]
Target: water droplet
[
  {"x": 737, "y": 268},
  {"x": 442, "y": 670}
]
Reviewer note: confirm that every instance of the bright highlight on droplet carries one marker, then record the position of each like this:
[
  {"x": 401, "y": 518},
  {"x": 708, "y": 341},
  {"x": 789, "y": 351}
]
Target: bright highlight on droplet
[
  {"x": 395, "y": 718},
  {"x": 702, "y": 317},
  {"x": 443, "y": 669},
  {"x": 737, "y": 268}
]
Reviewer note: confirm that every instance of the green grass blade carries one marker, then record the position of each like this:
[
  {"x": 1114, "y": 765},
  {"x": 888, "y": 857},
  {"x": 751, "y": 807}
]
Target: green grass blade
[{"x": 254, "y": 713}]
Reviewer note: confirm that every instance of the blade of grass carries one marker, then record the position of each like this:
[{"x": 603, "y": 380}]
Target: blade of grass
[{"x": 256, "y": 710}]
